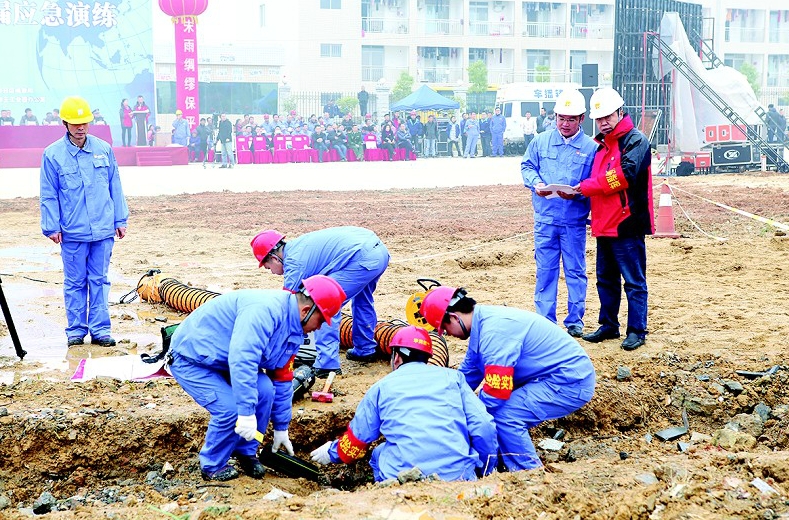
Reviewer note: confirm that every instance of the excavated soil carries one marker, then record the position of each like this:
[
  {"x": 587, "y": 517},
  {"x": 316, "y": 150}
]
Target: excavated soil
[{"x": 113, "y": 449}]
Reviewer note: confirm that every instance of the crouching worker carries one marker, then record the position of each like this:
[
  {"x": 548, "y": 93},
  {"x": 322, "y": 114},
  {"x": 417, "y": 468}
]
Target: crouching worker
[
  {"x": 531, "y": 370},
  {"x": 234, "y": 356},
  {"x": 429, "y": 416}
]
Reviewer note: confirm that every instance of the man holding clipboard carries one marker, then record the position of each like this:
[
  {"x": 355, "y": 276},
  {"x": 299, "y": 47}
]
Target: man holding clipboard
[{"x": 555, "y": 161}]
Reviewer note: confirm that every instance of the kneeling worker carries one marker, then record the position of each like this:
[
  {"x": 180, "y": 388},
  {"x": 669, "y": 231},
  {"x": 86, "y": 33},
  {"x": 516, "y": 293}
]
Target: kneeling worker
[
  {"x": 531, "y": 370},
  {"x": 219, "y": 353},
  {"x": 429, "y": 416}
]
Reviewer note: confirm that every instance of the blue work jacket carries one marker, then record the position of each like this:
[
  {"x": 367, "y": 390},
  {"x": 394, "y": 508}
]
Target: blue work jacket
[
  {"x": 81, "y": 194},
  {"x": 243, "y": 332}
]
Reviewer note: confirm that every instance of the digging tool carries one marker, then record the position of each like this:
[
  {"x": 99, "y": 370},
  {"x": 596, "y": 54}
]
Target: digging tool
[
  {"x": 10, "y": 323},
  {"x": 287, "y": 464},
  {"x": 324, "y": 396}
]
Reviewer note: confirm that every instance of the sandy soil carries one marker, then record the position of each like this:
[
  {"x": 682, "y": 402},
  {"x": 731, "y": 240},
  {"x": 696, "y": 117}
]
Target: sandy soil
[{"x": 104, "y": 448}]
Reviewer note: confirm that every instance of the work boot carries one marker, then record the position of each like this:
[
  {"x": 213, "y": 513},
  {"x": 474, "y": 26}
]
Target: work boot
[
  {"x": 600, "y": 334},
  {"x": 632, "y": 341},
  {"x": 250, "y": 465},
  {"x": 323, "y": 373},
  {"x": 575, "y": 331},
  {"x": 353, "y": 356},
  {"x": 103, "y": 341},
  {"x": 221, "y": 475},
  {"x": 76, "y": 341}
]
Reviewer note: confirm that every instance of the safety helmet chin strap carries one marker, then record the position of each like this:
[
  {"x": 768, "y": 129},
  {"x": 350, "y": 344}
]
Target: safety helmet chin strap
[
  {"x": 71, "y": 136},
  {"x": 309, "y": 314}
]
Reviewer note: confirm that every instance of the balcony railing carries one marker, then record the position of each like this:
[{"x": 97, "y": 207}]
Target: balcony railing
[
  {"x": 592, "y": 31},
  {"x": 490, "y": 29},
  {"x": 779, "y": 35},
  {"x": 449, "y": 27},
  {"x": 385, "y": 25},
  {"x": 441, "y": 74},
  {"x": 544, "y": 30},
  {"x": 777, "y": 80},
  {"x": 744, "y": 34},
  {"x": 389, "y": 74}
]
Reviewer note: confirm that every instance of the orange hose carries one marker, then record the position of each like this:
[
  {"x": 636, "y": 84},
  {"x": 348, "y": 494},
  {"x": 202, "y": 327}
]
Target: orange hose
[
  {"x": 182, "y": 297},
  {"x": 385, "y": 331}
]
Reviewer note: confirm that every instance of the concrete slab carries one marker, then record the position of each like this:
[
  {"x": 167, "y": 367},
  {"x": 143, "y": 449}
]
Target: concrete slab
[{"x": 193, "y": 178}]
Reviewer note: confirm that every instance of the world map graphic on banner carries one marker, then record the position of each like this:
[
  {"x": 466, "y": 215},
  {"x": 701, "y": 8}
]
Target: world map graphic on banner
[{"x": 100, "y": 50}]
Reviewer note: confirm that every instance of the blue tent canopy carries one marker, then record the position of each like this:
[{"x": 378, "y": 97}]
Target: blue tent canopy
[{"x": 425, "y": 98}]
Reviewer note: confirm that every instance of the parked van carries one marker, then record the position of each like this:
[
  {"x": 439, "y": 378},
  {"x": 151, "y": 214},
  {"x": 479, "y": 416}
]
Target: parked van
[{"x": 515, "y": 99}]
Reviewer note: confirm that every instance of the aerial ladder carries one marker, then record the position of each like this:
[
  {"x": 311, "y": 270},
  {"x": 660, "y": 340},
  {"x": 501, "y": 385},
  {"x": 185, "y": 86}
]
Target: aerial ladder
[{"x": 773, "y": 154}]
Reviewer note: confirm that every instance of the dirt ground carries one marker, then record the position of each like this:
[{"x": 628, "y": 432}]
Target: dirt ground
[{"x": 111, "y": 449}]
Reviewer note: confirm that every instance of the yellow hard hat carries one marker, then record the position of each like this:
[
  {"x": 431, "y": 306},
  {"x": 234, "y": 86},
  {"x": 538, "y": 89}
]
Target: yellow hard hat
[
  {"x": 178, "y": 112},
  {"x": 75, "y": 110}
]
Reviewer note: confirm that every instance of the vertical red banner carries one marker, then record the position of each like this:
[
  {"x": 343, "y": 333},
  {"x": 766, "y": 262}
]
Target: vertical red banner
[{"x": 186, "y": 87}]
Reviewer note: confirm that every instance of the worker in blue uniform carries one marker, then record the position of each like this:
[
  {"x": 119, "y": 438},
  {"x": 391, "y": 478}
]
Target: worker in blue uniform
[
  {"x": 530, "y": 370},
  {"x": 428, "y": 414},
  {"x": 234, "y": 356},
  {"x": 83, "y": 209},
  {"x": 353, "y": 256},
  {"x": 563, "y": 156}
]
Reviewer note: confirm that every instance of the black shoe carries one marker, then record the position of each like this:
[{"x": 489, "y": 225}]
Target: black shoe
[
  {"x": 250, "y": 465},
  {"x": 600, "y": 334},
  {"x": 323, "y": 373},
  {"x": 103, "y": 341},
  {"x": 575, "y": 331},
  {"x": 226, "y": 473},
  {"x": 75, "y": 341},
  {"x": 369, "y": 358},
  {"x": 633, "y": 341}
]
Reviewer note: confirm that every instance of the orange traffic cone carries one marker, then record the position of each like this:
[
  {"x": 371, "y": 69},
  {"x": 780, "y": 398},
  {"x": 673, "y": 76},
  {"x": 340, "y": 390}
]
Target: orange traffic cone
[{"x": 664, "y": 227}]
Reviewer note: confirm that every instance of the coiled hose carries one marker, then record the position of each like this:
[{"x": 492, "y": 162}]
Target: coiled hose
[
  {"x": 182, "y": 297},
  {"x": 383, "y": 334}
]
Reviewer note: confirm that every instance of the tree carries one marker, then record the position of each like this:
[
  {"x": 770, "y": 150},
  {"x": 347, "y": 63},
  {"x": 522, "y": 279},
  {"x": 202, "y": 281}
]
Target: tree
[
  {"x": 403, "y": 87},
  {"x": 347, "y": 104},
  {"x": 288, "y": 104},
  {"x": 543, "y": 74},
  {"x": 477, "y": 77},
  {"x": 752, "y": 75}
]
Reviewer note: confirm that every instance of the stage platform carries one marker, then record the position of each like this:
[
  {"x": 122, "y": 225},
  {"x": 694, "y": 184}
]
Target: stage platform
[{"x": 127, "y": 156}]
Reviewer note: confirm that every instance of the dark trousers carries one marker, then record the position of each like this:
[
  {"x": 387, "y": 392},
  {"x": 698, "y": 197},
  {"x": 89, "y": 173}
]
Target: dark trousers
[
  {"x": 126, "y": 132},
  {"x": 622, "y": 259},
  {"x": 486, "y": 148},
  {"x": 456, "y": 146}
]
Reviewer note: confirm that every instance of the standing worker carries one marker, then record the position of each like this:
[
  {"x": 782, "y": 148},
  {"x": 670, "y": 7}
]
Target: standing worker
[
  {"x": 530, "y": 369},
  {"x": 620, "y": 189},
  {"x": 353, "y": 256},
  {"x": 234, "y": 356},
  {"x": 429, "y": 416},
  {"x": 83, "y": 209},
  {"x": 498, "y": 124},
  {"x": 225, "y": 138},
  {"x": 561, "y": 156},
  {"x": 180, "y": 129}
]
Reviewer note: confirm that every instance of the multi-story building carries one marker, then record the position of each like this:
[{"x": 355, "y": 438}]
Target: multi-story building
[{"x": 338, "y": 45}]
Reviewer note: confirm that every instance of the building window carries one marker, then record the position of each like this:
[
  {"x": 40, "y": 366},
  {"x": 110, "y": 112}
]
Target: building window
[
  {"x": 331, "y": 50},
  {"x": 262, "y": 13},
  {"x": 331, "y": 4}
]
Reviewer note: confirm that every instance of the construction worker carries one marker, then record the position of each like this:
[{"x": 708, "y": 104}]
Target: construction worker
[
  {"x": 234, "y": 356},
  {"x": 562, "y": 156},
  {"x": 620, "y": 190},
  {"x": 429, "y": 416},
  {"x": 83, "y": 209},
  {"x": 530, "y": 370},
  {"x": 353, "y": 256}
]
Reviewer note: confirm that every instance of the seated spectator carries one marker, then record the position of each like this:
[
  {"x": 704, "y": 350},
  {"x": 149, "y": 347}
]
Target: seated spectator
[
  {"x": 193, "y": 146},
  {"x": 338, "y": 140},
  {"x": 403, "y": 140},
  {"x": 369, "y": 126},
  {"x": 318, "y": 142},
  {"x": 6, "y": 119},
  {"x": 56, "y": 114},
  {"x": 49, "y": 119},
  {"x": 388, "y": 139},
  {"x": 356, "y": 142},
  {"x": 347, "y": 121},
  {"x": 28, "y": 119},
  {"x": 98, "y": 119}
]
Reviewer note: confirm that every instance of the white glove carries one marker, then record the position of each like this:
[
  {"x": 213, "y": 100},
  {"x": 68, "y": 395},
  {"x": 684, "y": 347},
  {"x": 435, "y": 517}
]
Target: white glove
[
  {"x": 281, "y": 440},
  {"x": 321, "y": 455},
  {"x": 247, "y": 426}
]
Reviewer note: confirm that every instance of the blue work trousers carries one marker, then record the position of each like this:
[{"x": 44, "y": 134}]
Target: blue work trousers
[
  {"x": 471, "y": 146},
  {"x": 622, "y": 259},
  {"x": 527, "y": 407},
  {"x": 211, "y": 389},
  {"x": 359, "y": 283},
  {"x": 497, "y": 141},
  {"x": 568, "y": 243},
  {"x": 86, "y": 287}
]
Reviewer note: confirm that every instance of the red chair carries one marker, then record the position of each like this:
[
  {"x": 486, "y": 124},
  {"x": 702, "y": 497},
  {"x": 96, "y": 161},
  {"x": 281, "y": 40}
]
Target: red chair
[
  {"x": 301, "y": 151},
  {"x": 281, "y": 152},
  {"x": 243, "y": 151},
  {"x": 262, "y": 153},
  {"x": 351, "y": 156},
  {"x": 371, "y": 150},
  {"x": 399, "y": 155}
]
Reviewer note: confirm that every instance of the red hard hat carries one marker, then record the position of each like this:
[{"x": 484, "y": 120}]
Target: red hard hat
[
  {"x": 434, "y": 306},
  {"x": 413, "y": 338},
  {"x": 264, "y": 242},
  {"x": 326, "y": 293}
]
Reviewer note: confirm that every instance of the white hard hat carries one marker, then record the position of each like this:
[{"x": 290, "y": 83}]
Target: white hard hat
[
  {"x": 570, "y": 103},
  {"x": 605, "y": 101}
]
